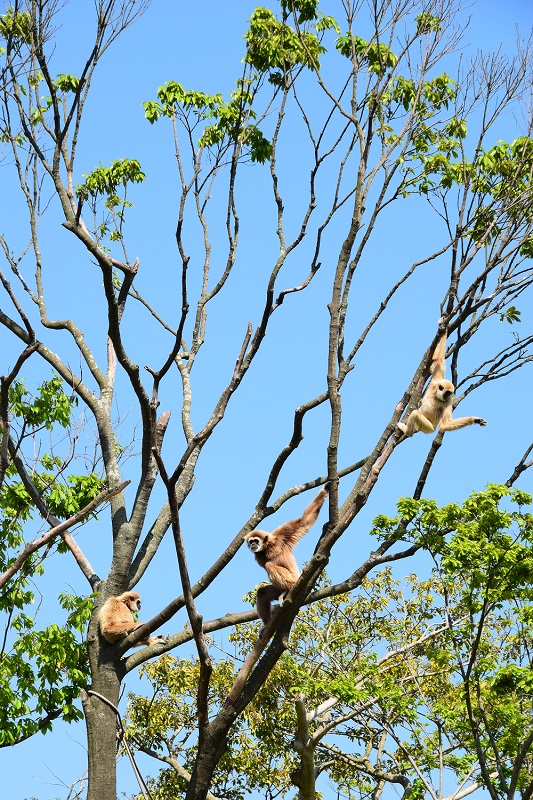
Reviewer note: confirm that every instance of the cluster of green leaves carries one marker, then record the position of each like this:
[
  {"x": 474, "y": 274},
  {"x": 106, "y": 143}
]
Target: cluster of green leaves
[
  {"x": 41, "y": 671},
  {"x": 511, "y": 315},
  {"x": 67, "y": 83},
  {"x": 16, "y": 25},
  {"x": 480, "y": 531},
  {"x": 484, "y": 552},
  {"x": 306, "y": 10},
  {"x": 499, "y": 175},
  {"x": 435, "y": 146},
  {"x": 376, "y": 55},
  {"x": 31, "y": 413},
  {"x": 48, "y": 406},
  {"x": 105, "y": 181},
  {"x": 233, "y": 118},
  {"x": 272, "y": 45},
  {"x": 427, "y": 22},
  {"x": 64, "y": 83},
  {"x": 112, "y": 183}
]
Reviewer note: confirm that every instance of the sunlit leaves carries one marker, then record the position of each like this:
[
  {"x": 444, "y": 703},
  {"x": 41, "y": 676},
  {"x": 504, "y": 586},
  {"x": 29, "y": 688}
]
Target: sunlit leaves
[
  {"x": 16, "y": 25},
  {"x": 42, "y": 673},
  {"x": 426, "y": 23},
  {"x": 66, "y": 83},
  {"x": 376, "y": 55},
  {"x": 105, "y": 181},
  {"x": 305, "y": 10},
  {"x": 504, "y": 171},
  {"x": 172, "y": 94},
  {"x": 275, "y": 45},
  {"x": 49, "y": 405},
  {"x": 480, "y": 538},
  {"x": 500, "y": 177},
  {"x": 510, "y": 315},
  {"x": 229, "y": 122},
  {"x": 325, "y": 23}
]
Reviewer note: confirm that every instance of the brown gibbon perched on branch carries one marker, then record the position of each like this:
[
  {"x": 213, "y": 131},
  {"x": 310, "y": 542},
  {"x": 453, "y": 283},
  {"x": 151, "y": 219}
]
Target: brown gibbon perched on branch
[
  {"x": 273, "y": 551},
  {"x": 117, "y": 621}
]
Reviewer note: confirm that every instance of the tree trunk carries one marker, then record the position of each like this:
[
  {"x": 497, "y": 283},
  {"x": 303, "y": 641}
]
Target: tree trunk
[
  {"x": 101, "y": 723},
  {"x": 211, "y": 748}
]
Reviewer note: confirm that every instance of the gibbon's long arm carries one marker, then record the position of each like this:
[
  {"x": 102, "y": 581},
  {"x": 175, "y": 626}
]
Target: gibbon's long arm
[
  {"x": 292, "y": 531},
  {"x": 447, "y": 422},
  {"x": 438, "y": 364}
]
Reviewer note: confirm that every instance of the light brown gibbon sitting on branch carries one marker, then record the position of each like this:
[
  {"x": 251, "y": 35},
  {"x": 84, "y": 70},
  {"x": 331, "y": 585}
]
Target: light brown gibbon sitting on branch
[
  {"x": 437, "y": 402},
  {"x": 273, "y": 551},
  {"x": 117, "y": 621}
]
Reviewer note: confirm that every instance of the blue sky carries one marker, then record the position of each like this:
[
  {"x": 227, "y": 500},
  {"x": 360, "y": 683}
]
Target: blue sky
[{"x": 201, "y": 47}]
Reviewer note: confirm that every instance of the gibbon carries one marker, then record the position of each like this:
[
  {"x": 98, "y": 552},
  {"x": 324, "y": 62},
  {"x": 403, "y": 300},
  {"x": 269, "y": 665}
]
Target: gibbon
[
  {"x": 117, "y": 621},
  {"x": 273, "y": 551},
  {"x": 437, "y": 402}
]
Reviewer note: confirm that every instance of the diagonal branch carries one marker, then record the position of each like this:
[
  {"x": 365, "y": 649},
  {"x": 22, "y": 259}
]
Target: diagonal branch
[
  {"x": 60, "y": 529},
  {"x": 47, "y": 515}
]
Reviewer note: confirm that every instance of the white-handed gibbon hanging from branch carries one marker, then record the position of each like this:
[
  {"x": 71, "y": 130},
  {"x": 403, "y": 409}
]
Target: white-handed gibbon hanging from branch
[
  {"x": 273, "y": 551},
  {"x": 437, "y": 402},
  {"x": 116, "y": 619}
]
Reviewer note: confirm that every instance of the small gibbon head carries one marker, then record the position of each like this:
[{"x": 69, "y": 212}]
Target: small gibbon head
[
  {"x": 443, "y": 390},
  {"x": 257, "y": 540},
  {"x": 132, "y": 600}
]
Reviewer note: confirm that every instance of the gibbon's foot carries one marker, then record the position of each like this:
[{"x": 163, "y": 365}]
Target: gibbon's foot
[
  {"x": 403, "y": 427},
  {"x": 479, "y": 421},
  {"x": 281, "y": 598},
  {"x": 161, "y": 638}
]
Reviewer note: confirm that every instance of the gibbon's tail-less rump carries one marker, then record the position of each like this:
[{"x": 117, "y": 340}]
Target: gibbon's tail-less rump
[
  {"x": 116, "y": 619},
  {"x": 437, "y": 402},
  {"x": 273, "y": 551}
]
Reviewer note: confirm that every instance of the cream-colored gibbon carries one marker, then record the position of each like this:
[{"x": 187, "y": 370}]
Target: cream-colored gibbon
[
  {"x": 117, "y": 621},
  {"x": 273, "y": 551},
  {"x": 437, "y": 402}
]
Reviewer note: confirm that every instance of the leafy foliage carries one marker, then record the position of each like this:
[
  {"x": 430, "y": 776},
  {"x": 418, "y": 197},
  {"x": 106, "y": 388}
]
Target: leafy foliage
[
  {"x": 49, "y": 406},
  {"x": 41, "y": 671},
  {"x": 232, "y": 118},
  {"x": 376, "y": 55},
  {"x": 105, "y": 181},
  {"x": 275, "y": 45},
  {"x": 16, "y": 25},
  {"x": 510, "y": 315}
]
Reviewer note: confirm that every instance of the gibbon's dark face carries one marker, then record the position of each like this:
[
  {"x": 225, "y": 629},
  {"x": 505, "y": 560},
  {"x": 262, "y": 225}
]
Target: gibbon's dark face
[
  {"x": 445, "y": 390},
  {"x": 257, "y": 541}
]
